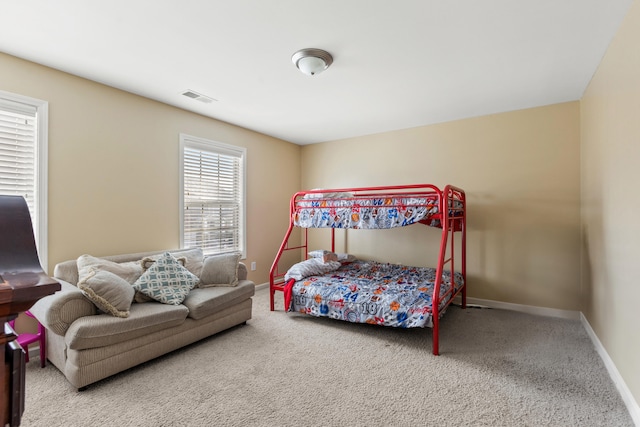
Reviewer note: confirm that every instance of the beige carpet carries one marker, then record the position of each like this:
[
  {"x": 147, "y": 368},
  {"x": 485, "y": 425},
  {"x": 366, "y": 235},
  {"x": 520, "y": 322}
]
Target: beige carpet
[{"x": 497, "y": 368}]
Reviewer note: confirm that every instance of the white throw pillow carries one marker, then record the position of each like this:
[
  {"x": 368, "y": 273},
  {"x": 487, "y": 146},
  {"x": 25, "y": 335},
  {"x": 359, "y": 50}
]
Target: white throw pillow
[
  {"x": 331, "y": 256},
  {"x": 310, "y": 267}
]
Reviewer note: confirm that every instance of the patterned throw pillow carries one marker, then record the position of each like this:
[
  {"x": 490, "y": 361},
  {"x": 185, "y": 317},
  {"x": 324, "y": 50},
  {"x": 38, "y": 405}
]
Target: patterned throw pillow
[
  {"x": 147, "y": 262},
  {"x": 166, "y": 281}
]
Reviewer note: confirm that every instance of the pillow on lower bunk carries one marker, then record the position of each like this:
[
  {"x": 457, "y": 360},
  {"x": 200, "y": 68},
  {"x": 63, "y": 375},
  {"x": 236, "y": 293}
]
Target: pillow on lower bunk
[
  {"x": 323, "y": 255},
  {"x": 310, "y": 267},
  {"x": 346, "y": 258},
  {"x": 326, "y": 255}
]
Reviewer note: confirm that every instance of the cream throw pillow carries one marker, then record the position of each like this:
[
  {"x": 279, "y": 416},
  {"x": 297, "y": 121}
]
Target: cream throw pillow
[
  {"x": 220, "y": 270},
  {"x": 109, "y": 292},
  {"x": 129, "y": 271}
]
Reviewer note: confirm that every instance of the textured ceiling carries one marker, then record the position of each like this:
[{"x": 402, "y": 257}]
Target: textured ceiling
[{"x": 396, "y": 64}]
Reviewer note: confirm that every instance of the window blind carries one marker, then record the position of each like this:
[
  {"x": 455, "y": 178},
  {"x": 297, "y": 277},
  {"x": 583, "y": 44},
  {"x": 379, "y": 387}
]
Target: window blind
[
  {"x": 213, "y": 199},
  {"x": 18, "y": 152}
]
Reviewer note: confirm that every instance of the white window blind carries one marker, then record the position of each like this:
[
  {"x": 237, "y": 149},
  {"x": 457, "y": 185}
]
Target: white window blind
[
  {"x": 23, "y": 154},
  {"x": 212, "y": 196},
  {"x": 17, "y": 155}
]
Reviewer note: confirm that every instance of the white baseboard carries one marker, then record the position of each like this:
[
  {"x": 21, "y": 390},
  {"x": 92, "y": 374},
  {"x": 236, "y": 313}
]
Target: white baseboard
[
  {"x": 530, "y": 309},
  {"x": 625, "y": 393},
  {"x": 262, "y": 286}
]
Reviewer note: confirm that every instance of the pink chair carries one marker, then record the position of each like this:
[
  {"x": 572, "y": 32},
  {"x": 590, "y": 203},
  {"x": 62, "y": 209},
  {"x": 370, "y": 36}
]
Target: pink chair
[{"x": 25, "y": 339}]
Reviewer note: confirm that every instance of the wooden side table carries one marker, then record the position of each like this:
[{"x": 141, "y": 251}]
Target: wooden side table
[{"x": 22, "y": 283}]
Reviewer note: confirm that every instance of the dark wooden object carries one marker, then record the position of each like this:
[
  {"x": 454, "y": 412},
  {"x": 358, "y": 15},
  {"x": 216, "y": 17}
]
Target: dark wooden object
[{"x": 22, "y": 283}]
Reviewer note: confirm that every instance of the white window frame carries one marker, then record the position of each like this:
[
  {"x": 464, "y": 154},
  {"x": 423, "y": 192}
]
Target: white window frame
[
  {"x": 193, "y": 142},
  {"x": 40, "y": 222}
]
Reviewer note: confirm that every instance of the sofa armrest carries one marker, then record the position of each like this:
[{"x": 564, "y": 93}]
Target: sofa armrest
[
  {"x": 58, "y": 311},
  {"x": 242, "y": 271}
]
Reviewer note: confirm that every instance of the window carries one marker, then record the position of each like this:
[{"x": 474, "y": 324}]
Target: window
[
  {"x": 212, "y": 190},
  {"x": 23, "y": 159}
]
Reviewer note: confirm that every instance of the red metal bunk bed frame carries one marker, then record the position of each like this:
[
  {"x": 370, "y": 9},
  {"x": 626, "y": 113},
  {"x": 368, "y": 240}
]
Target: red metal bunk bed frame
[{"x": 452, "y": 220}]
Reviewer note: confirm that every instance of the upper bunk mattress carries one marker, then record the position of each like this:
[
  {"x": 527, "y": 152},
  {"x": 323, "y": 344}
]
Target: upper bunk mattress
[{"x": 346, "y": 211}]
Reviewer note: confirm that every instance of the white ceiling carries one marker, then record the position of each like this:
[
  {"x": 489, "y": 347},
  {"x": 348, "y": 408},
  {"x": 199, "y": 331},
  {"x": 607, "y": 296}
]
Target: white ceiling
[{"x": 397, "y": 64}]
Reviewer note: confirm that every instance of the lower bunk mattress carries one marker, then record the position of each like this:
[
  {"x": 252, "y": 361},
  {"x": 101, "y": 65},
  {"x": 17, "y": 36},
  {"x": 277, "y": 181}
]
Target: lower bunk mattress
[{"x": 373, "y": 292}]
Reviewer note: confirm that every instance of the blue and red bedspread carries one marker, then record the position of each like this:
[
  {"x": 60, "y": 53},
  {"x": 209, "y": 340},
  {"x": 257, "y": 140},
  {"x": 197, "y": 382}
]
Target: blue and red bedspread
[{"x": 372, "y": 292}]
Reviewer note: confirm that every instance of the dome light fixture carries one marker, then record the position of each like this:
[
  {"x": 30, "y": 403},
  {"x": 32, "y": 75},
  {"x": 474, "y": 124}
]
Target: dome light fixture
[{"x": 312, "y": 61}]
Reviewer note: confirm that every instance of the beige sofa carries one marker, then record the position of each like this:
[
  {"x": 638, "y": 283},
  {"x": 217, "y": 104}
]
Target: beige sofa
[{"x": 87, "y": 345}]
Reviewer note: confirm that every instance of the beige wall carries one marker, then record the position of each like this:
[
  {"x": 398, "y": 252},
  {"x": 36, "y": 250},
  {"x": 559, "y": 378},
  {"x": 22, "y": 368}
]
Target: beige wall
[
  {"x": 520, "y": 171},
  {"x": 610, "y": 133},
  {"x": 114, "y": 170},
  {"x": 113, "y": 187}
]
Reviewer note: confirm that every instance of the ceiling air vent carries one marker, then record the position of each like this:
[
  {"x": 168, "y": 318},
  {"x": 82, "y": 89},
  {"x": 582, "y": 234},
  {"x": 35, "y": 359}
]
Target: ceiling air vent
[{"x": 198, "y": 96}]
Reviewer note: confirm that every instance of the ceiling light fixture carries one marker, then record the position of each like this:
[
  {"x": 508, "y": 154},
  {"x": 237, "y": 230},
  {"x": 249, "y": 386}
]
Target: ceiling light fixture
[{"x": 312, "y": 61}]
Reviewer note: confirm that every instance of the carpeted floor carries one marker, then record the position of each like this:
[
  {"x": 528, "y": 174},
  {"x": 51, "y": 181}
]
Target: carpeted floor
[{"x": 496, "y": 368}]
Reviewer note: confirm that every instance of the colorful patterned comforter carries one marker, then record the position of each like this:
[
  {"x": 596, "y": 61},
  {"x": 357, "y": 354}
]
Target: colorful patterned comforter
[
  {"x": 364, "y": 212},
  {"x": 373, "y": 292}
]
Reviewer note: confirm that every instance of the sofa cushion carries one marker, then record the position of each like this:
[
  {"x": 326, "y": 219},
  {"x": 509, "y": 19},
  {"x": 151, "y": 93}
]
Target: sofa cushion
[
  {"x": 166, "y": 281},
  {"x": 203, "y": 302},
  {"x": 110, "y": 293},
  {"x": 220, "y": 270},
  {"x": 103, "y": 330}
]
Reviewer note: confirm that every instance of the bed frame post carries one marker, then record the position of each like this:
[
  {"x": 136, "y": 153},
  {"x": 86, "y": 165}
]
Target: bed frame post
[
  {"x": 274, "y": 267},
  {"x": 463, "y": 258},
  {"x": 450, "y": 224},
  {"x": 333, "y": 240}
]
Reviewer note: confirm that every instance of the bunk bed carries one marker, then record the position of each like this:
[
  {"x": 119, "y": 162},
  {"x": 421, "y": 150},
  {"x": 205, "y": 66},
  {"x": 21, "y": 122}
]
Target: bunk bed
[{"x": 341, "y": 287}]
